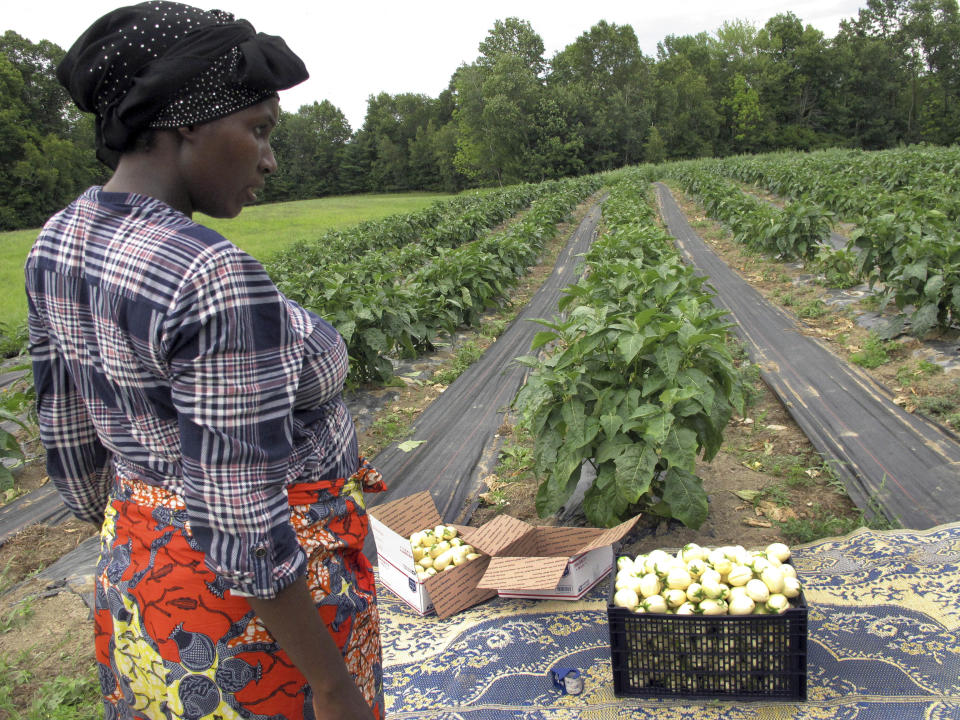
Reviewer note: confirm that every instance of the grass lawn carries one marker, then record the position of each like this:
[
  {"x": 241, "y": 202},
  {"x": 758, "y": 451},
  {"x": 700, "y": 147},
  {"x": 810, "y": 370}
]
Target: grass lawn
[{"x": 261, "y": 230}]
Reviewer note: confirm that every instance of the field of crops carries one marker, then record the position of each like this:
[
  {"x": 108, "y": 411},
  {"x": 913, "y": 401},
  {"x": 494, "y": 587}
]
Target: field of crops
[
  {"x": 633, "y": 374},
  {"x": 904, "y": 206}
]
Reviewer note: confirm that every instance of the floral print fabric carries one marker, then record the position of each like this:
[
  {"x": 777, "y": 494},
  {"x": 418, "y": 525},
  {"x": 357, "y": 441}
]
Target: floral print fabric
[{"x": 173, "y": 642}]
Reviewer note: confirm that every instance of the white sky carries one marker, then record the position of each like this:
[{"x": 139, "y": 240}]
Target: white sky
[{"x": 357, "y": 49}]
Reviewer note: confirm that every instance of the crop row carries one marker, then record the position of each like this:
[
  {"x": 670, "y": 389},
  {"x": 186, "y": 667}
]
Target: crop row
[
  {"x": 446, "y": 223},
  {"x": 909, "y": 251},
  {"x": 393, "y": 303},
  {"x": 855, "y": 183},
  {"x": 798, "y": 230},
  {"x": 635, "y": 377}
]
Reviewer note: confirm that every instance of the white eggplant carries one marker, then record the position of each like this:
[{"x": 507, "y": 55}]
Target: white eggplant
[
  {"x": 741, "y": 604},
  {"x": 649, "y": 585},
  {"x": 779, "y": 551},
  {"x": 791, "y": 587},
  {"x": 773, "y": 579},
  {"x": 626, "y": 598},
  {"x": 739, "y": 575},
  {"x": 654, "y": 604},
  {"x": 777, "y": 603},
  {"x": 678, "y": 578},
  {"x": 758, "y": 590}
]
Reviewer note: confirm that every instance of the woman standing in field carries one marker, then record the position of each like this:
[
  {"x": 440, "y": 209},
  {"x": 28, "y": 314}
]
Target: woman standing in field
[{"x": 187, "y": 406}]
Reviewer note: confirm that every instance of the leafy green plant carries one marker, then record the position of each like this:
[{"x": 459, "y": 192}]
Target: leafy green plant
[
  {"x": 16, "y": 616},
  {"x": 68, "y": 698},
  {"x": 911, "y": 372},
  {"x": 798, "y": 231},
  {"x": 466, "y": 355},
  {"x": 13, "y": 339},
  {"x": 875, "y": 352},
  {"x": 838, "y": 266},
  {"x": 10, "y": 450},
  {"x": 813, "y": 309},
  {"x": 639, "y": 380}
]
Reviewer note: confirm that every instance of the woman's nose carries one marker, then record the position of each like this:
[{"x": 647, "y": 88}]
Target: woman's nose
[{"x": 268, "y": 163}]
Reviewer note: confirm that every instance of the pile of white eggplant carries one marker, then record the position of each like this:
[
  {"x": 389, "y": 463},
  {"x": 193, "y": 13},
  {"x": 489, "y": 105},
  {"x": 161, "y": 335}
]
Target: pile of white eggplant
[
  {"x": 728, "y": 580},
  {"x": 439, "y": 548}
]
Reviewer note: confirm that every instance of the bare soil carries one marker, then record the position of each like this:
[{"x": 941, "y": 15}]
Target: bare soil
[{"x": 766, "y": 482}]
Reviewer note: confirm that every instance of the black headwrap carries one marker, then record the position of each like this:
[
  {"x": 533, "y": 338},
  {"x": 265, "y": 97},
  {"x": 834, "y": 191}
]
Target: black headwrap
[{"x": 139, "y": 64}]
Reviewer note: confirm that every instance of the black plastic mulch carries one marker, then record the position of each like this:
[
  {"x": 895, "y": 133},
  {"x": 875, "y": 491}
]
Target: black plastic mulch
[
  {"x": 889, "y": 460},
  {"x": 458, "y": 430}
]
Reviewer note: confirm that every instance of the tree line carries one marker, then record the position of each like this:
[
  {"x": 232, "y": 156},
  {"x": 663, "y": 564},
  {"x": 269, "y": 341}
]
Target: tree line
[{"x": 890, "y": 76}]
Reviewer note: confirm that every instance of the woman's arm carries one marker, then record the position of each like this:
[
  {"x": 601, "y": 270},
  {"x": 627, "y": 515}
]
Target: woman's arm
[
  {"x": 77, "y": 462},
  {"x": 296, "y": 625}
]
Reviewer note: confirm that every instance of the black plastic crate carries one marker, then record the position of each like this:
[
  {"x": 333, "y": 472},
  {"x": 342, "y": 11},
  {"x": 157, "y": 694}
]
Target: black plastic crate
[{"x": 735, "y": 657}]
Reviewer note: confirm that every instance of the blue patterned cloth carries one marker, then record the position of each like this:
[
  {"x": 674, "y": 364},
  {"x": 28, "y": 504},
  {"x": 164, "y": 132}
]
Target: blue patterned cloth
[{"x": 883, "y": 643}]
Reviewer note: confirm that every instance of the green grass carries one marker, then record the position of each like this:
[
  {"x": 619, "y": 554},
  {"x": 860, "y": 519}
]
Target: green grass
[
  {"x": 875, "y": 352},
  {"x": 261, "y": 230},
  {"x": 466, "y": 355}
]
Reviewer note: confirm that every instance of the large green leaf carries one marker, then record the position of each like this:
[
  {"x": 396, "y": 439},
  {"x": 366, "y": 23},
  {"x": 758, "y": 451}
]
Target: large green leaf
[
  {"x": 612, "y": 448},
  {"x": 704, "y": 384},
  {"x": 668, "y": 358},
  {"x": 556, "y": 490},
  {"x": 658, "y": 428},
  {"x": 610, "y": 423},
  {"x": 683, "y": 492},
  {"x": 601, "y": 503},
  {"x": 924, "y": 319},
  {"x": 542, "y": 338},
  {"x": 679, "y": 447},
  {"x": 635, "y": 469}
]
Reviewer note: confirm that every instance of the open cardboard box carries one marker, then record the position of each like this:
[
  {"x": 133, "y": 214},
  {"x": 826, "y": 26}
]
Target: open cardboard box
[
  {"x": 446, "y": 593},
  {"x": 540, "y": 562},
  {"x": 518, "y": 559}
]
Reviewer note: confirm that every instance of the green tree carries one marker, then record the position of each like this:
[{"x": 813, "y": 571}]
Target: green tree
[
  {"x": 498, "y": 98},
  {"x": 654, "y": 149},
  {"x": 516, "y": 38},
  {"x": 309, "y": 146},
  {"x": 794, "y": 84},
  {"x": 46, "y": 148},
  {"x": 745, "y": 116},
  {"x": 686, "y": 109},
  {"x": 604, "y": 83}
]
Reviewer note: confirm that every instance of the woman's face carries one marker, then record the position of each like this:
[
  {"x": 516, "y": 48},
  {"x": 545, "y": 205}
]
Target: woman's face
[{"x": 226, "y": 161}]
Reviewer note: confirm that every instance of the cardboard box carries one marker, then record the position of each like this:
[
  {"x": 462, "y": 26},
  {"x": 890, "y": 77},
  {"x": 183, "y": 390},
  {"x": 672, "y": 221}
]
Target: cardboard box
[
  {"x": 518, "y": 559},
  {"x": 445, "y": 593},
  {"x": 559, "y": 563}
]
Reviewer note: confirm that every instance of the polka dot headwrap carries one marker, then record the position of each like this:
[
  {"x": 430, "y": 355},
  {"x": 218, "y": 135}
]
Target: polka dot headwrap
[{"x": 164, "y": 65}]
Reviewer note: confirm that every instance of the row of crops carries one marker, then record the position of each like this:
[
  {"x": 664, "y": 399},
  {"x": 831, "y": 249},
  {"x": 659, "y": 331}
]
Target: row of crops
[
  {"x": 635, "y": 377},
  {"x": 390, "y": 287},
  {"x": 904, "y": 205}
]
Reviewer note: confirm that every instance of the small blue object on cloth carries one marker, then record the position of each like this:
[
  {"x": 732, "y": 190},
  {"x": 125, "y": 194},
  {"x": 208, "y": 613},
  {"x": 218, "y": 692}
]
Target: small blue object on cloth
[{"x": 568, "y": 680}]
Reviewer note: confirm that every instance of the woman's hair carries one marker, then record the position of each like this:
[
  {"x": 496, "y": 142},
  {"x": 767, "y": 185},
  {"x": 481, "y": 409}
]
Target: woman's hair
[{"x": 165, "y": 64}]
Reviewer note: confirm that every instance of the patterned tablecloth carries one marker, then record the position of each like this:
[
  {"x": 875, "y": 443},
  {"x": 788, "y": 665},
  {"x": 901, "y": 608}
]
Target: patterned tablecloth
[{"x": 883, "y": 643}]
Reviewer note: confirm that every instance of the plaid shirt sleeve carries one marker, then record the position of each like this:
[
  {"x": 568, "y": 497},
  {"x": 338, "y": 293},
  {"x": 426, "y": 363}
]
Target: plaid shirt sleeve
[
  {"x": 77, "y": 462},
  {"x": 235, "y": 360}
]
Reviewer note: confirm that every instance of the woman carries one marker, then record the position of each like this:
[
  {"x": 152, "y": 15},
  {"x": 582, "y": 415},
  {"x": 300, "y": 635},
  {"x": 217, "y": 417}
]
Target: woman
[{"x": 190, "y": 408}]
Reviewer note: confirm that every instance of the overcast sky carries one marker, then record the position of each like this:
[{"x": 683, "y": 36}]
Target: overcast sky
[{"x": 357, "y": 48}]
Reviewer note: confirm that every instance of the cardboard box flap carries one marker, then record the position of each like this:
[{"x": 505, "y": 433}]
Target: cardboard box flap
[
  {"x": 409, "y": 514},
  {"x": 614, "y": 534},
  {"x": 504, "y": 535},
  {"x": 456, "y": 590},
  {"x": 565, "y": 541},
  {"x": 523, "y": 573}
]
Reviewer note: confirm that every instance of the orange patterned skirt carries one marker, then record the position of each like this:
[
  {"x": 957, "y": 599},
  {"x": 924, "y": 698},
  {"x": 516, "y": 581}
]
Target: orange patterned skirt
[{"x": 173, "y": 642}]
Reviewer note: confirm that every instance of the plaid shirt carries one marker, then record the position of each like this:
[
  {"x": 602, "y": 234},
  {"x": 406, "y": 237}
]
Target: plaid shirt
[{"x": 162, "y": 351}]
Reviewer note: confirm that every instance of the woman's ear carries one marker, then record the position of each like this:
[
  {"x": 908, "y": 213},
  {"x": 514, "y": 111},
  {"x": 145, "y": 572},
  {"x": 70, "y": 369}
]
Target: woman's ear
[{"x": 187, "y": 131}]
